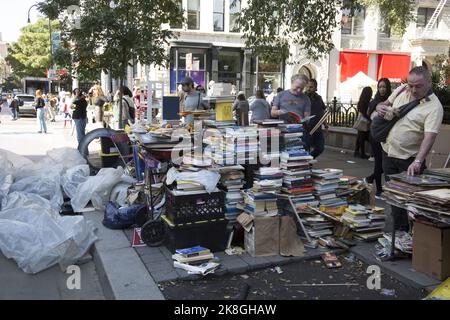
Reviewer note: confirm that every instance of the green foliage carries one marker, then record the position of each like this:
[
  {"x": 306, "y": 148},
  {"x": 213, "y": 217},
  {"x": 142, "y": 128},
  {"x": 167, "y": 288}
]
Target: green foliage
[
  {"x": 397, "y": 13},
  {"x": 110, "y": 37},
  {"x": 440, "y": 75},
  {"x": 30, "y": 55},
  {"x": 270, "y": 26}
]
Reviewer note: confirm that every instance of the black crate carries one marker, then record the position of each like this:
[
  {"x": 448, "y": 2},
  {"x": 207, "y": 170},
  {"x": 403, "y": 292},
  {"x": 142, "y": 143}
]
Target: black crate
[
  {"x": 197, "y": 207},
  {"x": 210, "y": 234}
]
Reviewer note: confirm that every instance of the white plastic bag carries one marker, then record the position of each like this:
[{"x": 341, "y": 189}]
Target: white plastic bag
[
  {"x": 73, "y": 178},
  {"x": 47, "y": 185},
  {"x": 119, "y": 194},
  {"x": 6, "y": 181},
  {"x": 36, "y": 240},
  {"x": 42, "y": 166},
  {"x": 18, "y": 199},
  {"x": 97, "y": 189},
  {"x": 68, "y": 157},
  {"x": 10, "y": 160}
]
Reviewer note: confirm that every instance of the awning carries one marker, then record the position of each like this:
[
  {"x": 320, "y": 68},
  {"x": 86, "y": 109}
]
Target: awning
[
  {"x": 395, "y": 67},
  {"x": 353, "y": 62}
]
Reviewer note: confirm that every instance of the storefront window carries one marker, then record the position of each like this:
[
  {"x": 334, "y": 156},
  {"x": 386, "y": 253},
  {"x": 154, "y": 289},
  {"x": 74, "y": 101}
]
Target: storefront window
[
  {"x": 219, "y": 9},
  {"x": 229, "y": 66},
  {"x": 268, "y": 76},
  {"x": 178, "y": 66},
  {"x": 235, "y": 9},
  {"x": 193, "y": 20}
]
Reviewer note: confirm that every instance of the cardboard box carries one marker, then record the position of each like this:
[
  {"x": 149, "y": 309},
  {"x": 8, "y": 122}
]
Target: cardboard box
[
  {"x": 264, "y": 237},
  {"x": 431, "y": 250}
]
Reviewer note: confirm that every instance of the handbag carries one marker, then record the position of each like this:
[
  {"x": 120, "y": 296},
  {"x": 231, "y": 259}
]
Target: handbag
[
  {"x": 381, "y": 127},
  {"x": 361, "y": 123}
]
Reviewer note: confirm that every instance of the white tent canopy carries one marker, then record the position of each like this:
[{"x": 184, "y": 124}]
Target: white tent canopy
[{"x": 351, "y": 88}]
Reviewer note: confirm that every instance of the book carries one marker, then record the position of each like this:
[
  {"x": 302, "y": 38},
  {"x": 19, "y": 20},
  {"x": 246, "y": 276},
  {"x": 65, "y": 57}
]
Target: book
[{"x": 193, "y": 251}]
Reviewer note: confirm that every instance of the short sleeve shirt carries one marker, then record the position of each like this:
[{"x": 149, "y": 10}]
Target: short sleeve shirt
[
  {"x": 406, "y": 136},
  {"x": 287, "y": 102}
]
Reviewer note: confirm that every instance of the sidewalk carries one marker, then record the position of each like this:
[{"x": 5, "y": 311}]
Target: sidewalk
[{"x": 155, "y": 263}]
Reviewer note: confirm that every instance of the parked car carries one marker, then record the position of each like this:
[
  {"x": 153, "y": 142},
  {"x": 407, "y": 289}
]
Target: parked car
[{"x": 26, "y": 104}]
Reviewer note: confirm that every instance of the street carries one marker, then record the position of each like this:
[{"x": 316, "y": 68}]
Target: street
[{"x": 22, "y": 138}]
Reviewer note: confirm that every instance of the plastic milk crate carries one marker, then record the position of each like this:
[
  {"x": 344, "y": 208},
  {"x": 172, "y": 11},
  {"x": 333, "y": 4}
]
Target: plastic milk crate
[
  {"x": 196, "y": 207},
  {"x": 211, "y": 234}
]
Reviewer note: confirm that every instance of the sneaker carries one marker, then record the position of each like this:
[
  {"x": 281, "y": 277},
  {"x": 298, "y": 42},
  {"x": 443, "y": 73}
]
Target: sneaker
[
  {"x": 39, "y": 131},
  {"x": 371, "y": 159}
]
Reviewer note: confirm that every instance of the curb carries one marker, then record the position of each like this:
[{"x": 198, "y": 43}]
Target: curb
[{"x": 122, "y": 274}]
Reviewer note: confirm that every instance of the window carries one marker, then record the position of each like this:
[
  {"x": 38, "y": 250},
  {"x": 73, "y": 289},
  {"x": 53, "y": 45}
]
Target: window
[
  {"x": 424, "y": 16},
  {"x": 180, "y": 6},
  {"x": 219, "y": 9},
  {"x": 193, "y": 20},
  {"x": 235, "y": 9},
  {"x": 353, "y": 24}
]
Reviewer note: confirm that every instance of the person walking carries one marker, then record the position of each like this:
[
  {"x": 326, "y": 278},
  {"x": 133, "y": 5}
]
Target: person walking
[
  {"x": 39, "y": 105},
  {"x": 241, "y": 107},
  {"x": 317, "y": 139},
  {"x": 259, "y": 107},
  {"x": 12, "y": 104},
  {"x": 412, "y": 137},
  {"x": 79, "y": 115},
  {"x": 99, "y": 101},
  {"x": 193, "y": 100},
  {"x": 383, "y": 92},
  {"x": 127, "y": 106},
  {"x": 363, "y": 129}
]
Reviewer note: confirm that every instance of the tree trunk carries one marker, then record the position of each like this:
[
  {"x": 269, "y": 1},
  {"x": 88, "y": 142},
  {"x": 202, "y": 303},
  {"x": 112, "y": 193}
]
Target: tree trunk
[{"x": 120, "y": 102}]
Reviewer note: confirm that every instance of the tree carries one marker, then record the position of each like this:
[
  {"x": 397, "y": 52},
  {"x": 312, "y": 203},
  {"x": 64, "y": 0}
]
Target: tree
[
  {"x": 270, "y": 27},
  {"x": 30, "y": 55},
  {"x": 113, "y": 33}
]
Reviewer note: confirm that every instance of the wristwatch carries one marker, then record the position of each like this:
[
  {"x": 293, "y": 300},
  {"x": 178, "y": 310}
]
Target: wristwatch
[{"x": 418, "y": 161}]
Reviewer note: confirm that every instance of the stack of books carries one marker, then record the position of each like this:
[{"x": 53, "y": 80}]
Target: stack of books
[
  {"x": 193, "y": 256},
  {"x": 259, "y": 204},
  {"x": 267, "y": 179},
  {"x": 232, "y": 182},
  {"x": 326, "y": 182},
  {"x": 269, "y": 142},
  {"x": 297, "y": 172},
  {"x": 236, "y": 145},
  {"x": 345, "y": 185},
  {"x": 366, "y": 223}
]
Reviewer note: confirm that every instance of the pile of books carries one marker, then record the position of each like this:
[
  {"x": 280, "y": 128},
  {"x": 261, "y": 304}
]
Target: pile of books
[
  {"x": 432, "y": 204},
  {"x": 269, "y": 141},
  {"x": 401, "y": 187},
  {"x": 235, "y": 145},
  {"x": 232, "y": 182},
  {"x": 345, "y": 185},
  {"x": 195, "y": 260},
  {"x": 297, "y": 172},
  {"x": 259, "y": 204},
  {"x": 326, "y": 183},
  {"x": 366, "y": 223},
  {"x": 267, "y": 179}
]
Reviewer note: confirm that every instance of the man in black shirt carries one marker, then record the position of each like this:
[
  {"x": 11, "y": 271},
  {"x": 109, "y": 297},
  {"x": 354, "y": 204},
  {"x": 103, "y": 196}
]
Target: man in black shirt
[
  {"x": 79, "y": 115},
  {"x": 316, "y": 141}
]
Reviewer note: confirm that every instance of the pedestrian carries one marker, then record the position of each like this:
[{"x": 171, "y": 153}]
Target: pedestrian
[
  {"x": 99, "y": 101},
  {"x": 193, "y": 100},
  {"x": 79, "y": 115},
  {"x": 259, "y": 107},
  {"x": 128, "y": 108},
  {"x": 293, "y": 100},
  {"x": 363, "y": 129},
  {"x": 12, "y": 104},
  {"x": 412, "y": 137},
  {"x": 383, "y": 92},
  {"x": 201, "y": 89},
  {"x": 39, "y": 105},
  {"x": 52, "y": 107},
  {"x": 316, "y": 141},
  {"x": 241, "y": 108}
]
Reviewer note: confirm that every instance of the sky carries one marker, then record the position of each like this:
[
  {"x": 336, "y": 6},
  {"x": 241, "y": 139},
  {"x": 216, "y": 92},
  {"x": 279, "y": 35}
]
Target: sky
[{"x": 13, "y": 16}]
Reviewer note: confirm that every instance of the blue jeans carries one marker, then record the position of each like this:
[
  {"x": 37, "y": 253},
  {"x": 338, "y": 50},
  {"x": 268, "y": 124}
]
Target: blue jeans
[
  {"x": 80, "y": 125},
  {"x": 40, "y": 112},
  {"x": 316, "y": 141},
  {"x": 13, "y": 112}
]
